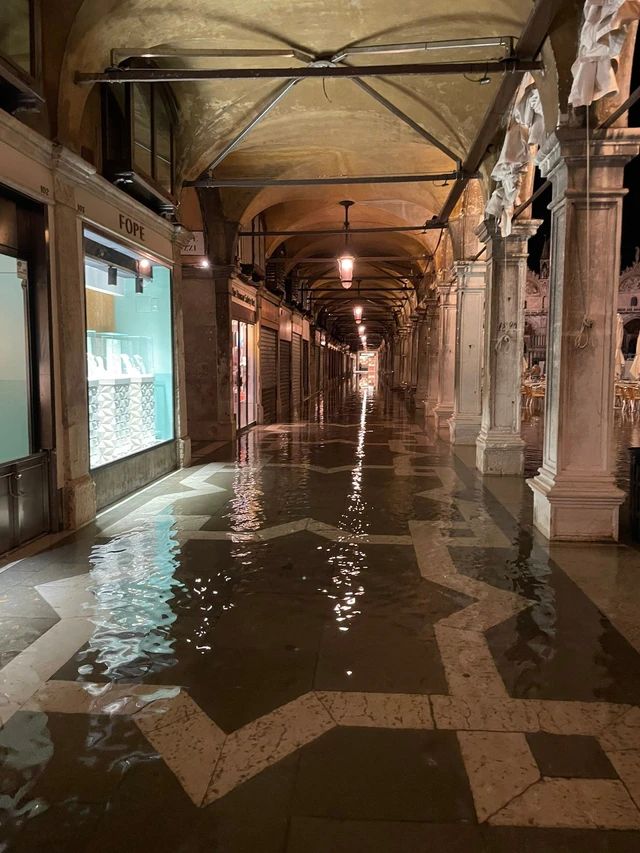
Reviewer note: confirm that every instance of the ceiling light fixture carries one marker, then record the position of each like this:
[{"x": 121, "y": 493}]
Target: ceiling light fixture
[
  {"x": 358, "y": 309},
  {"x": 346, "y": 259},
  {"x": 361, "y": 330}
]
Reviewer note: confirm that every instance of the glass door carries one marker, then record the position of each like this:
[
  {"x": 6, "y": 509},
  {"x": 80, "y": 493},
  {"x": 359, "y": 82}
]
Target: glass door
[{"x": 244, "y": 405}]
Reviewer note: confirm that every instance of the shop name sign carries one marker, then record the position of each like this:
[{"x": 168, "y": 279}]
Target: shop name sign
[
  {"x": 195, "y": 246},
  {"x": 244, "y": 298},
  {"x": 131, "y": 227}
]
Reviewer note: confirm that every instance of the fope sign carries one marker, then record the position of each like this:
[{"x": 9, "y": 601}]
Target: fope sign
[{"x": 131, "y": 227}]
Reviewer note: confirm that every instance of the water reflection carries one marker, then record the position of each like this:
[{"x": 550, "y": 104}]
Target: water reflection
[
  {"x": 133, "y": 581},
  {"x": 348, "y": 560}
]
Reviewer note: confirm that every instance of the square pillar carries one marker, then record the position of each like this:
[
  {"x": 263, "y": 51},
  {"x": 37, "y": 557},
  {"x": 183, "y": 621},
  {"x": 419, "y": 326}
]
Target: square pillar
[
  {"x": 464, "y": 425},
  {"x": 422, "y": 358},
  {"x": 433, "y": 362},
  {"x": 208, "y": 345},
  {"x": 575, "y": 497},
  {"x": 447, "y": 354},
  {"x": 499, "y": 447},
  {"x": 74, "y": 477}
]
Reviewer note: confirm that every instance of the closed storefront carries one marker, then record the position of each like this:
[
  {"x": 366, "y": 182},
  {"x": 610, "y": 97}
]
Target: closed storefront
[
  {"x": 268, "y": 367},
  {"x": 285, "y": 381},
  {"x": 296, "y": 373}
]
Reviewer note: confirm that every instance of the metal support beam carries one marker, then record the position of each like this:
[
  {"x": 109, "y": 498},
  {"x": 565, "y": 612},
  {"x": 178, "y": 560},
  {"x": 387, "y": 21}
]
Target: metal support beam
[
  {"x": 254, "y": 121},
  {"x": 319, "y": 182},
  {"x": 120, "y": 54},
  {"x": 428, "y": 226},
  {"x": 528, "y": 47},
  {"x": 406, "y": 259},
  {"x": 398, "y": 113},
  {"x": 412, "y": 47},
  {"x": 320, "y": 69}
]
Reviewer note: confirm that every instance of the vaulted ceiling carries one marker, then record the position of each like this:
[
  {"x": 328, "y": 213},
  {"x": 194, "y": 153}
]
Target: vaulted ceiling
[{"x": 321, "y": 127}]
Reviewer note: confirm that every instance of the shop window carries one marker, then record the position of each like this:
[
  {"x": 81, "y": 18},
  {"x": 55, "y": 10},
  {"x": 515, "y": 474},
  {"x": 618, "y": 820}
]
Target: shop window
[
  {"x": 129, "y": 351},
  {"x": 20, "y": 54},
  {"x": 138, "y": 132},
  {"x": 634, "y": 301},
  {"x": 14, "y": 363}
]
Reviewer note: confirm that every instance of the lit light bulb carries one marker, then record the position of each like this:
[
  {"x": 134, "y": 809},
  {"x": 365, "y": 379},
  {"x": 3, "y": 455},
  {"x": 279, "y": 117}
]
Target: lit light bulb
[
  {"x": 345, "y": 266},
  {"x": 357, "y": 313},
  {"x": 144, "y": 265},
  {"x": 204, "y": 264},
  {"x": 361, "y": 330}
]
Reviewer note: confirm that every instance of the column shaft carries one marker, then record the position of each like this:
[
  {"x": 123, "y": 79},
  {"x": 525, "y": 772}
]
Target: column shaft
[
  {"x": 465, "y": 422},
  {"x": 500, "y": 448},
  {"x": 447, "y": 352},
  {"x": 575, "y": 497}
]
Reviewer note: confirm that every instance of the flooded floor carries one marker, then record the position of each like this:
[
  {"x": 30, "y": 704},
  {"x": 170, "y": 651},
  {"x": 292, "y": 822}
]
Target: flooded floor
[{"x": 333, "y": 637}]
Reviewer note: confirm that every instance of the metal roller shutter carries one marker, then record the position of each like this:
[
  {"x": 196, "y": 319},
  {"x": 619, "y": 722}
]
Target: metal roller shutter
[
  {"x": 268, "y": 351},
  {"x": 296, "y": 373},
  {"x": 305, "y": 369},
  {"x": 285, "y": 381}
]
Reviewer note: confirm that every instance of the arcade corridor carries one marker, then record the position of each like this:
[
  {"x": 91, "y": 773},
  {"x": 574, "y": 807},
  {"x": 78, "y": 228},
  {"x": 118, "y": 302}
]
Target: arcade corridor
[{"x": 335, "y": 637}]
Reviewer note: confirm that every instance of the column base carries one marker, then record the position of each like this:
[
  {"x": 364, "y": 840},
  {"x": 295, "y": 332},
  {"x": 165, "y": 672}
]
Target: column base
[
  {"x": 442, "y": 415},
  {"x": 500, "y": 454},
  {"x": 78, "y": 502},
  {"x": 464, "y": 430},
  {"x": 184, "y": 452},
  {"x": 576, "y": 510}
]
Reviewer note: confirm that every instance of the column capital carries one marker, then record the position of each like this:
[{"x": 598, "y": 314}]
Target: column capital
[
  {"x": 521, "y": 231},
  {"x": 610, "y": 149}
]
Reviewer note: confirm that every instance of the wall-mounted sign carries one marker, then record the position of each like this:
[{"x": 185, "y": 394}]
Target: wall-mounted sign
[
  {"x": 243, "y": 297},
  {"x": 195, "y": 246}
]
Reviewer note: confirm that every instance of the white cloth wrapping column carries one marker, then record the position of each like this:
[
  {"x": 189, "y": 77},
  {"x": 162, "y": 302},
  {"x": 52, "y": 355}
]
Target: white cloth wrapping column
[
  {"x": 575, "y": 497},
  {"x": 447, "y": 354},
  {"x": 499, "y": 447},
  {"x": 464, "y": 425}
]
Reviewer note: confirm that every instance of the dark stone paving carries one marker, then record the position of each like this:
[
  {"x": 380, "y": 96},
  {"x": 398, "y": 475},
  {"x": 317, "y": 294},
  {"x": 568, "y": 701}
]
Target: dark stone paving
[{"x": 246, "y": 627}]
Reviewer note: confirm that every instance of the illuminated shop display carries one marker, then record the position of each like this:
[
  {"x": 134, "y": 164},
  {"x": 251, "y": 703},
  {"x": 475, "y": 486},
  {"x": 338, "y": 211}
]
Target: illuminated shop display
[{"x": 129, "y": 351}]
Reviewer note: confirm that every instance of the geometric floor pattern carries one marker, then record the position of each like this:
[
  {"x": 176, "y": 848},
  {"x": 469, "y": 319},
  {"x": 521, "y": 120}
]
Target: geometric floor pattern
[{"x": 484, "y": 756}]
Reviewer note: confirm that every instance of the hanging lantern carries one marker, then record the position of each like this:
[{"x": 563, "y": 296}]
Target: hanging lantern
[
  {"x": 361, "y": 330},
  {"x": 357, "y": 313},
  {"x": 346, "y": 259},
  {"x": 345, "y": 265}
]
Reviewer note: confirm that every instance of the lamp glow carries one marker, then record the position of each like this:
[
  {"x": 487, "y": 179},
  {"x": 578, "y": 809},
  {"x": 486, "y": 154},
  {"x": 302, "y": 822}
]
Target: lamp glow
[
  {"x": 361, "y": 330},
  {"x": 345, "y": 266},
  {"x": 357, "y": 313}
]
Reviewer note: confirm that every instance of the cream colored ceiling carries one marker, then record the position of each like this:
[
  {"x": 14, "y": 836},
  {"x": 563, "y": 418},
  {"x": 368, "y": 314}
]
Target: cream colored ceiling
[{"x": 316, "y": 130}]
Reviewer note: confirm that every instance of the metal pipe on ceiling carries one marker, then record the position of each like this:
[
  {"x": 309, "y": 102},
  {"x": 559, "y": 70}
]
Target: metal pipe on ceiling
[
  {"x": 121, "y": 54},
  {"x": 410, "y": 47},
  {"x": 320, "y": 70},
  {"x": 254, "y": 121},
  {"x": 310, "y": 182},
  {"x": 428, "y": 226},
  {"x": 362, "y": 258},
  {"x": 398, "y": 113},
  {"x": 529, "y": 45}
]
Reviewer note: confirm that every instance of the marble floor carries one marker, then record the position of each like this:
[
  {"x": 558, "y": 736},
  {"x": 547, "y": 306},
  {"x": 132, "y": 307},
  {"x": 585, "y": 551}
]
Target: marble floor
[{"x": 332, "y": 636}]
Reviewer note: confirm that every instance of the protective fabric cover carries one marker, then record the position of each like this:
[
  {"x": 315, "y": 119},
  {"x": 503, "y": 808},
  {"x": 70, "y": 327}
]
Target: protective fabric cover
[
  {"x": 601, "y": 40},
  {"x": 526, "y": 130},
  {"x": 620, "y": 359}
]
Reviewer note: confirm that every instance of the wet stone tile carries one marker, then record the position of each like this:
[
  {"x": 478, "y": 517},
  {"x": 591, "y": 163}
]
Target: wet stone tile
[
  {"x": 376, "y": 774},
  {"x": 570, "y": 756},
  {"x": 17, "y": 634}
]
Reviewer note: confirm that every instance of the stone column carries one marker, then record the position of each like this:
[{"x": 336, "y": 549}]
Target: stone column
[
  {"x": 422, "y": 358},
  {"x": 397, "y": 360},
  {"x": 181, "y": 237},
  {"x": 433, "y": 369},
  {"x": 447, "y": 353},
  {"x": 413, "y": 352},
  {"x": 464, "y": 425},
  {"x": 405, "y": 345},
  {"x": 500, "y": 448},
  {"x": 208, "y": 351},
  {"x": 575, "y": 497},
  {"x": 74, "y": 478}
]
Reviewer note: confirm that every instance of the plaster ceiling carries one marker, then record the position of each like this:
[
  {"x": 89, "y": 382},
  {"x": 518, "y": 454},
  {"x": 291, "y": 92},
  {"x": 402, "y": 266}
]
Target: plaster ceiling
[{"x": 316, "y": 130}]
